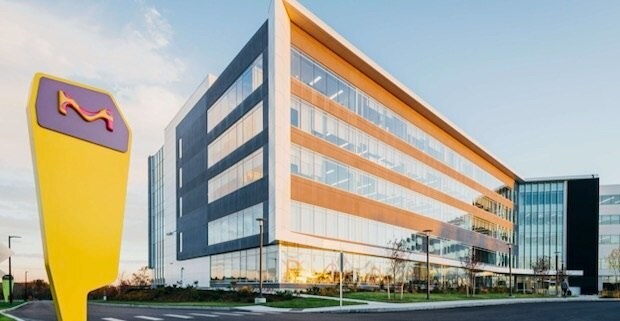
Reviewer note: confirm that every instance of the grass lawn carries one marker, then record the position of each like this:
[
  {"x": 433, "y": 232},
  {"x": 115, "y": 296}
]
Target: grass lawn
[
  {"x": 5, "y": 305},
  {"x": 3, "y": 318},
  {"x": 187, "y": 304},
  {"x": 421, "y": 297},
  {"x": 304, "y": 303}
]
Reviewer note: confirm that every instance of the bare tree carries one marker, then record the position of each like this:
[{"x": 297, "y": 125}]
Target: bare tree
[
  {"x": 471, "y": 263},
  {"x": 540, "y": 267},
  {"x": 613, "y": 260},
  {"x": 397, "y": 253},
  {"x": 142, "y": 277}
]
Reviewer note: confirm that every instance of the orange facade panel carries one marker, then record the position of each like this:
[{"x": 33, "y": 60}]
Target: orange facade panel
[{"x": 318, "y": 51}]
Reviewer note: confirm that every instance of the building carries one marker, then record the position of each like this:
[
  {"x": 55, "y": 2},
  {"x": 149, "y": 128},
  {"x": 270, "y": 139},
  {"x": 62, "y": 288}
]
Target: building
[
  {"x": 304, "y": 131},
  {"x": 609, "y": 238},
  {"x": 557, "y": 221}
]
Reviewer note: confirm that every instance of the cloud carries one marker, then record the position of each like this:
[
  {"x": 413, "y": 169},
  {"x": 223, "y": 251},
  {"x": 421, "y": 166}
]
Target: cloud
[
  {"x": 131, "y": 61},
  {"x": 158, "y": 28}
]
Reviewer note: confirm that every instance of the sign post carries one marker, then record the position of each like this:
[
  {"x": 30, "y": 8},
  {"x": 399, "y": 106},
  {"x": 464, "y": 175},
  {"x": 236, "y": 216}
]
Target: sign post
[{"x": 80, "y": 145}]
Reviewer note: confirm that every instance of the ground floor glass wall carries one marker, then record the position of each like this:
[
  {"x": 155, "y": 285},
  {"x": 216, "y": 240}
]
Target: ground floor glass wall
[{"x": 294, "y": 266}]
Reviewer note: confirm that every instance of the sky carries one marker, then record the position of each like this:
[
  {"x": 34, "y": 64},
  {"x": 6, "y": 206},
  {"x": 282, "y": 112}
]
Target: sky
[{"x": 536, "y": 83}]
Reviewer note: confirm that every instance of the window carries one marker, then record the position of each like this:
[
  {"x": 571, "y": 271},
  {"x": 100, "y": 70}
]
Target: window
[
  {"x": 180, "y": 177},
  {"x": 181, "y": 242},
  {"x": 180, "y": 148},
  {"x": 244, "y": 172},
  {"x": 238, "y": 134},
  {"x": 249, "y": 81},
  {"x": 609, "y": 219},
  {"x": 610, "y": 199},
  {"x": 180, "y": 206},
  {"x": 236, "y": 225}
]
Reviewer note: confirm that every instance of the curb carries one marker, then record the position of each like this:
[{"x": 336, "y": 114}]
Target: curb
[
  {"x": 450, "y": 305},
  {"x": 187, "y": 307},
  {"x": 4, "y": 312},
  {"x": 15, "y": 307}
]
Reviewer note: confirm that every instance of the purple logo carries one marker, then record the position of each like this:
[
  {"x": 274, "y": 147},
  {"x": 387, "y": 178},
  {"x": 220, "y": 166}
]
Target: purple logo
[{"x": 81, "y": 113}]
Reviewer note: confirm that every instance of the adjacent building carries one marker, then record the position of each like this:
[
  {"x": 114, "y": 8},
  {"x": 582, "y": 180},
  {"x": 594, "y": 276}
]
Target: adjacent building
[
  {"x": 609, "y": 238},
  {"x": 305, "y": 132},
  {"x": 557, "y": 221}
]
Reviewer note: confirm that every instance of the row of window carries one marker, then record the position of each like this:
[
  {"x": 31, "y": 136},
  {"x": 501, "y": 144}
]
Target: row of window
[
  {"x": 609, "y": 219},
  {"x": 317, "y": 167},
  {"x": 610, "y": 199},
  {"x": 323, "y": 125},
  {"x": 609, "y": 239},
  {"x": 251, "y": 79},
  {"x": 317, "y": 266},
  {"x": 243, "y": 266},
  {"x": 236, "y": 225},
  {"x": 315, "y": 220},
  {"x": 543, "y": 198},
  {"x": 491, "y": 229},
  {"x": 327, "y": 83},
  {"x": 242, "y": 173},
  {"x": 238, "y": 134},
  {"x": 540, "y": 221},
  {"x": 156, "y": 215}
]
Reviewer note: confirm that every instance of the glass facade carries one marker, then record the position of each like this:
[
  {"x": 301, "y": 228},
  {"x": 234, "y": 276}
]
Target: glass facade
[
  {"x": 609, "y": 219},
  {"x": 156, "y": 216},
  {"x": 540, "y": 222},
  {"x": 326, "y": 82},
  {"x": 302, "y": 265},
  {"x": 236, "y": 225},
  {"x": 238, "y": 134},
  {"x": 329, "y": 128},
  {"x": 610, "y": 199},
  {"x": 609, "y": 239},
  {"x": 317, "y": 167},
  {"x": 242, "y": 266},
  {"x": 244, "y": 172},
  {"x": 251, "y": 79},
  {"x": 323, "y": 222}
]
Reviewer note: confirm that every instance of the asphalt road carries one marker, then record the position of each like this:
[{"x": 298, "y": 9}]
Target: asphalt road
[{"x": 571, "y": 311}]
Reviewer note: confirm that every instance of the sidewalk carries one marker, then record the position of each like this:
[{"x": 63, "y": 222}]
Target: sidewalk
[{"x": 373, "y": 306}]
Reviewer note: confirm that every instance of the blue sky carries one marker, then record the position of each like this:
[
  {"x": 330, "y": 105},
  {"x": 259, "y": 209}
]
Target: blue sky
[{"x": 534, "y": 82}]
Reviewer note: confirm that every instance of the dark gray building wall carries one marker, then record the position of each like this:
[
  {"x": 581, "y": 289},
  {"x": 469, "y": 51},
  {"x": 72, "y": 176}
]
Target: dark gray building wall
[
  {"x": 582, "y": 232},
  {"x": 193, "y": 131}
]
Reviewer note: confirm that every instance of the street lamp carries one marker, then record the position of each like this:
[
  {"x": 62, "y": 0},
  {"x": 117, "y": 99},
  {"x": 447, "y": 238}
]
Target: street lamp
[
  {"x": 26, "y": 286},
  {"x": 556, "y": 273},
  {"x": 428, "y": 279},
  {"x": 509, "y": 270},
  {"x": 10, "y": 273},
  {"x": 261, "y": 222}
]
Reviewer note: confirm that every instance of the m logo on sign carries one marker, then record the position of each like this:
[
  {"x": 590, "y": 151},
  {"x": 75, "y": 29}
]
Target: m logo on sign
[{"x": 65, "y": 101}]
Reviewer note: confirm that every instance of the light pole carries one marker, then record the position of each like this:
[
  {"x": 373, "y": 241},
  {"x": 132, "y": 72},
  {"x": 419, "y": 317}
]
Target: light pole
[
  {"x": 428, "y": 279},
  {"x": 182, "y": 269},
  {"x": 260, "y": 221},
  {"x": 509, "y": 270},
  {"x": 10, "y": 272},
  {"x": 26, "y": 286},
  {"x": 556, "y": 273}
]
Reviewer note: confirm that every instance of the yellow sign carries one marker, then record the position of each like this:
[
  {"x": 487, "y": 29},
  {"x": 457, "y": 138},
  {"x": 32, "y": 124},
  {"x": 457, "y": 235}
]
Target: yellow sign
[{"x": 80, "y": 146}]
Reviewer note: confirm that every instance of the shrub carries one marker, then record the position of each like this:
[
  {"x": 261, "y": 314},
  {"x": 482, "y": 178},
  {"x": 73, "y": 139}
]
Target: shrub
[
  {"x": 246, "y": 291},
  {"x": 314, "y": 290}
]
